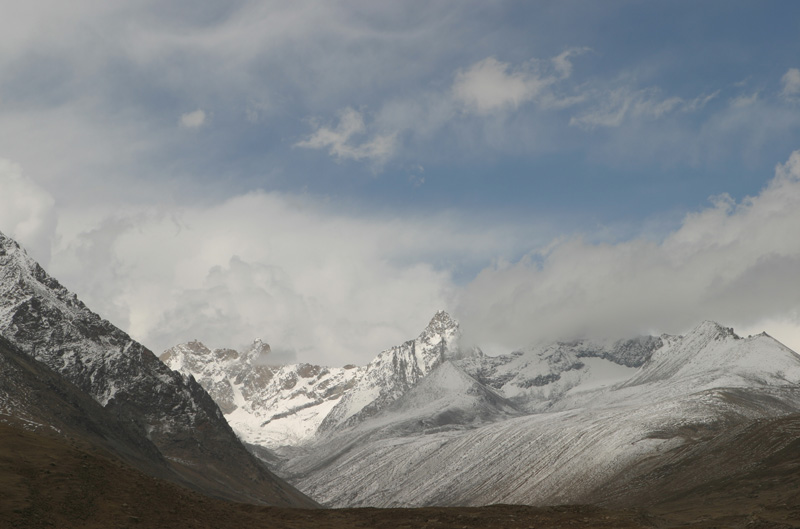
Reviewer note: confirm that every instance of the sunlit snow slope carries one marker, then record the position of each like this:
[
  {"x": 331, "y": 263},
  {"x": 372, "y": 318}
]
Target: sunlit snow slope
[{"x": 267, "y": 405}]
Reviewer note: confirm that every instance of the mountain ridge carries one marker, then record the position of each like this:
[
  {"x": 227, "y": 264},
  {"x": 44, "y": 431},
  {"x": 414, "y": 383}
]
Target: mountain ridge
[{"x": 47, "y": 322}]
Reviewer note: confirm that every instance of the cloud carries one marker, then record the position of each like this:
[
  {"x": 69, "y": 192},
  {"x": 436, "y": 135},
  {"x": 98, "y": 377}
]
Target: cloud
[
  {"x": 342, "y": 142},
  {"x": 742, "y": 101},
  {"x": 611, "y": 108},
  {"x": 790, "y": 83},
  {"x": 193, "y": 120},
  {"x": 736, "y": 263},
  {"x": 491, "y": 85},
  {"x": 301, "y": 274},
  {"x": 27, "y": 211},
  {"x": 488, "y": 85}
]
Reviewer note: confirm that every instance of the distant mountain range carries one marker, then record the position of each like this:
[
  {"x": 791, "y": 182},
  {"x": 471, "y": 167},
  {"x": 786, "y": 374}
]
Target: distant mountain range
[
  {"x": 669, "y": 424},
  {"x": 426, "y": 423}
]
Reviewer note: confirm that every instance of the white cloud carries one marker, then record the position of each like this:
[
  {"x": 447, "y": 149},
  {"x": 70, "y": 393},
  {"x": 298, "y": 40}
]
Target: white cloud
[
  {"x": 736, "y": 263},
  {"x": 27, "y": 211},
  {"x": 791, "y": 83},
  {"x": 194, "y": 119},
  {"x": 342, "y": 141},
  {"x": 490, "y": 85},
  {"x": 302, "y": 275}
]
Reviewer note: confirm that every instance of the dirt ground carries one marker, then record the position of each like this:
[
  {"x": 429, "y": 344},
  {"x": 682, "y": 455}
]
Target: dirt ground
[{"x": 49, "y": 482}]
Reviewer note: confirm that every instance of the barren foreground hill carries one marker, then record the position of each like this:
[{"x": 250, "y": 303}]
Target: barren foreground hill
[{"x": 48, "y": 481}]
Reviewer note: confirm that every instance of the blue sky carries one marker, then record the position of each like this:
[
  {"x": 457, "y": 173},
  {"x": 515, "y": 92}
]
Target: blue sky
[{"x": 325, "y": 175}]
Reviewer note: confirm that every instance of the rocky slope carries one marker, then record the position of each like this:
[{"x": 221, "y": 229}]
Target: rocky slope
[
  {"x": 267, "y": 405},
  {"x": 44, "y": 320},
  {"x": 36, "y": 399}
]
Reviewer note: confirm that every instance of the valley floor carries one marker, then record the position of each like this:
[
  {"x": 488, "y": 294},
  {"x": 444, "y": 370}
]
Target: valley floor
[{"x": 47, "y": 481}]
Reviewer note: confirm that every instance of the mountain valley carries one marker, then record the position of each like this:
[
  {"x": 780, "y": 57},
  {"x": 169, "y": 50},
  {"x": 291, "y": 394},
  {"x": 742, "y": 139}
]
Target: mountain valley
[{"x": 700, "y": 429}]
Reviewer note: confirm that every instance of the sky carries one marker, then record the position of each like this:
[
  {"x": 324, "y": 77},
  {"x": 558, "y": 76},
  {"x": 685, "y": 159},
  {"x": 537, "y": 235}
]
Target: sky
[{"x": 326, "y": 175}]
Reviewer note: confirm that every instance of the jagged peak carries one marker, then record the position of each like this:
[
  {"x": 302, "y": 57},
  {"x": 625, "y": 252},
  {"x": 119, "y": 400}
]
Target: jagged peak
[
  {"x": 442, "y": 321},
  {"x": 10, "y": 246},
  {"x": 713, "y": 329}
]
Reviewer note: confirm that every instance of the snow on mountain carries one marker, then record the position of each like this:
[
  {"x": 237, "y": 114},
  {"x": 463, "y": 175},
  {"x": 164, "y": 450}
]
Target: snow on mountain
[
  {"x": 272, "y": 406},
  {"x": 714, "y": 355},
  {"x": 46, "y": 321},
  {"x": 590, "y": 421},
  {"x": 394, "y": 371},
  {"x": 427, "y": 424},
  {"x": 538, "y": 459},
  {"x": 535, "y": 378},
  {"x": 266, "y": 405}
]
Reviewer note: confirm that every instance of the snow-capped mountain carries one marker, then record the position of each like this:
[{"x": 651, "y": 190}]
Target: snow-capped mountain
[
  {"x": 426, "y": 423},
  {"x": 394, "y": 372},
  {"x": 570, "y": 422},
  {"x": 44, "y": 320},
  {"x": 272, "y": 406},
  {"x": 267, "y": 405},
  {"x": 537, "y": 377}
]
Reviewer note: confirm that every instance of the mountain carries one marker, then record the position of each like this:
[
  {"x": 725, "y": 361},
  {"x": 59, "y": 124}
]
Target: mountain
[
  {"x": 394, "y": 372},
  {"x": 426, "y": 423},
  {"x": 267, "y": 405},
  {"x": 538, "y": 377},
  {"x": 270, "y": 406},
  {"x": 35, "y": 398},
  {"x": 41, "y": 318},
  {"x": 565, "y": 423}
]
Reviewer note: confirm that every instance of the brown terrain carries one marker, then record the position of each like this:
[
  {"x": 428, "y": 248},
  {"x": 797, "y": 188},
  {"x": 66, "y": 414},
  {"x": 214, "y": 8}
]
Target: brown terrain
[{"x": 49, "y": 481}]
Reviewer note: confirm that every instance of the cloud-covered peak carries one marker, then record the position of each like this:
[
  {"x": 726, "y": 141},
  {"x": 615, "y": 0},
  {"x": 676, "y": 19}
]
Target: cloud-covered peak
[{"x": 732, "y": 261}]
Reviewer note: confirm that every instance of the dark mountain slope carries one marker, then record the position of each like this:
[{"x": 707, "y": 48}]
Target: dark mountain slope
[{"x": 44, "y": 320}]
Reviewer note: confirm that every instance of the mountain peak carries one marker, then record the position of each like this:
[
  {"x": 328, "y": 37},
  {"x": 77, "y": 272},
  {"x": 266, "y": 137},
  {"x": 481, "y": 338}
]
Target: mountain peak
[
  {"x": 441, "y": 334},
  {"x": 441, "y": 322},
  {"x": 712, "y": 329}
]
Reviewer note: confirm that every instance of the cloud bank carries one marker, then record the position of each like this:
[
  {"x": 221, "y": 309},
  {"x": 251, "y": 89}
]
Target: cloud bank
[
  {"x": 736, "y": 263},
  {"x": 304, "y": 275},
  {"x": 335, "y": 288}
]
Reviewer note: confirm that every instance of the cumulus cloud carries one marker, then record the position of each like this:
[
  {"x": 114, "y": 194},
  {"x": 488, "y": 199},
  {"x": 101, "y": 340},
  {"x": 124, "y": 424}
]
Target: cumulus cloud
[
  {"x": 194, "y": 119},
  {"x": 790, "y": 83},
  {"x": 347, "y": 141},
  {"x": 306, "y": 277},
  {"x": 27, "y": 211},
  {"x": 490, "y": 85},
  {"x": 736, "y": 263}
]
